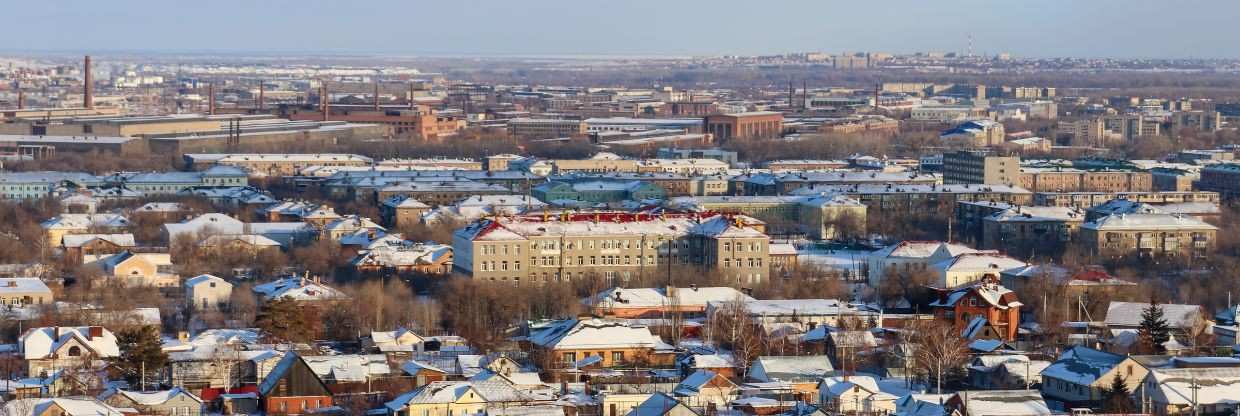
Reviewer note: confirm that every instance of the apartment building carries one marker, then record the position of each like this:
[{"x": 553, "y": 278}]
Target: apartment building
[
  {"x": 1079, "y": 180},
  {"x": 980, "y": 167},
  {"x": 1223, "y": 178},
  {"x": 1085, "y": 200},
  {"x": 947, "y": 114},
  {"x": 1087, "y": 132},
  {"x": 819, "y": 216},
  {"x": 1148, "y": 234},
  {"x": 615, "y": 246},
  {"x": 1022, "y": 226},
  {"x": 975, "y": 133}
]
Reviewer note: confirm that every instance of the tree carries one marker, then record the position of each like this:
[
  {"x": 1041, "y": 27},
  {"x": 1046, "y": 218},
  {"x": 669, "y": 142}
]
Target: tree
[
  {"x": 1154, "y": 331},
  {"x": 1116, "y": 399},
  {"x": 285, "y": 320},
  {"x": 732, "y": 328},
  {"x": 938, "y": 349},
  {"x": 141, "y": 354}
]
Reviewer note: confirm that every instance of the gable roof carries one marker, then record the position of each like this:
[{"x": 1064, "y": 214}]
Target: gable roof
[
  {"x": 38, "y": 343},
  {"x": 790, "y": 368},
  {"x": 78, "y": 240},
  {"x": 1128, "y": 314},
  {"x": 1082, "y": 365},
  {"x": 594, "y": 333}
]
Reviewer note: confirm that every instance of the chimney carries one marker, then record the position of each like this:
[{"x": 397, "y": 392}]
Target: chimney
[
  {"x": 56, "y": 332},
  {"x": 412, "y": 106},
  {"x": 211, "y": 98},
  {"x": 21, "y": 99},
  {"x": 94, "y": 332},
  {"x": 261, "y": 97},
  {"x": 183, "y": 336},
  {"x": 325, "y": 102},
  {"x": 88, "y": 87},
  {"x": 376, "y": 95}
]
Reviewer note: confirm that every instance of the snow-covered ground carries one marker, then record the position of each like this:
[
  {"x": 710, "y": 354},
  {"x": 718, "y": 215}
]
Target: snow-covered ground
[{"x": 850, "y": 261}]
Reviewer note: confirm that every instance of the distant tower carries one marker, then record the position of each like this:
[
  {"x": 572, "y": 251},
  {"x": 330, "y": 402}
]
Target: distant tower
[
  {"x": 804, "y": 94},
  {"x": 88, "y": 87},
  {"x": 325, "y": 102},
  {"x": 21, "y": 99},
  {"x": 211, "y": 98},
  {"x": 262, "y": 100},
  {"x": 376, "y": 95}
]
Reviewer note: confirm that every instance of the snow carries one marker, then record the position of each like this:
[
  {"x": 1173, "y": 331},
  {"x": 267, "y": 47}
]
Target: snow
[
  {"x": 23, "y": 285},
  {"x": 1162, "y": 222},
  {"x": 1213, "y": 385},
  {"x": 790, "y": 368},
  {"x": 593, "y": 334},
  {"x": 1128, "y": 314},
  {"x": 38, "y": 343},
  {"x": 620, "y": 298},
  {"x": 1003, "y": 402},
  {"x": 1081, "y": 365}
]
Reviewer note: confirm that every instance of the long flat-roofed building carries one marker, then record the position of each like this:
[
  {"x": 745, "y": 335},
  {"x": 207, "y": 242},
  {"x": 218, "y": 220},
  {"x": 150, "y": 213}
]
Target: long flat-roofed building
[
  {"x": 615, "y": 246},
  {"x": 273, "y": 164},
  {"x": 1148, "y": 235},
  {"x": 749, "y": 125}
]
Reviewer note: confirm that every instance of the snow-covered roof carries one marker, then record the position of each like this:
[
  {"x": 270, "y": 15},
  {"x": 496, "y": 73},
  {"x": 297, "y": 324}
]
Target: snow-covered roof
[
  {"x": 620, "y": 298},
  {"x": 1209, "y": 386},
  {"x": 1128, "y": 314},
  {"x": 152, "y": 398},
  {"x": 992, "y": 293},
  {"x": 790, "y": 368},
  {"x": 1037, "y": 214},
  {"x": 594, "y": 333},
  {"x": 1003, "y": 402},
  {"x": 1121, "y": 222},
  {"x": 298, "y": 289},
  {"x": 38, "y": 343},
  {"x": 444, "y": 392},
  {"x": 72, "y": 406},
  {"x": 348, "y": 368},
  {"x": 22, "y": 285},
  {"x": 78, "y": 240},
  {"x": 84, "y": 221},
  {"x": 979, "y": 262},
  {"x": 1082, "y": 365}
]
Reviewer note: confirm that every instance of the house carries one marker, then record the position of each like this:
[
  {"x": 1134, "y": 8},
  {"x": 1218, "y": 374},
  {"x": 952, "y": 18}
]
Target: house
[
  {"x": 1005, "y": 371},
  {"x": 909, "y": 257},
  {"x": 986, "y": 304},
  {"x": 404, "y": 257},
  {"x": 60, "y": 406},
  {"x": 175, "y": 401},
  {"x": 805, "y": 313},
  {"x": 853, "y": 394},
  {"x": 846, "y": 346},
  {"x": 1182, "y": 319},
  {"x": 1185, "y": 391},
  {"x": 801, "y": 373},
  {"x": 402, "y": 211},
  {"x": 292, "y": 387},
  {"x": 400, "y": 340},
  {"x": 78, "y": 246},
  {"x": 338, "y": 228},
  {"x": 141, "y": 269},
  {"x": 50, "y": 348},
  {"x": 964, "y": 269},
  {"x": 202, "y": 226},
  {"x": 24, "y": 291},
  {"x": 251, "y": 244},
  {"x": 661, "y": 404},
  {"x": 654, "y": 302},
  {"x": 615, "y": 342},
  {"x": 998, "y": 402},
  {"x": 479, "y": 206},
  {"x": 705, "y": 388},
  {"x": 723, "y": 364},
  {"x": 207, "y": 292},
  {"x": 423, "y": 373},
  {"x": 1081, "y": 374},
  {"x": 64, "y": 224},
  {"x": 298, "y": 288},
  {"x": 449, "y": 398},
  {"x": 922, "y": 405},
  {"x": 974, "y": 133}
]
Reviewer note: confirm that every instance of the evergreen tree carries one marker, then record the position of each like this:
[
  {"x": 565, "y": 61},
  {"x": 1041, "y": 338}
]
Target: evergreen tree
[
  {"x": 285, "y": 320},
  {"x": 140, "y": 350},
  {"x": 1154, "y": 331},
  {"x": 1117, "y": 398}
]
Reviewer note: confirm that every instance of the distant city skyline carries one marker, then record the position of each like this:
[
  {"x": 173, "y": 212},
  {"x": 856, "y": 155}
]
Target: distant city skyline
[{"x": 1049, "y": 28}]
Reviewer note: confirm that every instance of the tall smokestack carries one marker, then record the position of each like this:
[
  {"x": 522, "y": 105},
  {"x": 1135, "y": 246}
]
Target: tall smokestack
[
  {"x": 21, "y": 99},
  {"x": 376, "y": 95},
  {"x": 88, "y": 81},
  {"x": 411, "y": 105},
  {"x": 325, "y": 102},
  {"x": 211, "y": 98},
  {"x": 261, "y": 99}
]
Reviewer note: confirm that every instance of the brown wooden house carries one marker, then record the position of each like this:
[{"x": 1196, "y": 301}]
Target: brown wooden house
[{"x": 293, "y": 388}]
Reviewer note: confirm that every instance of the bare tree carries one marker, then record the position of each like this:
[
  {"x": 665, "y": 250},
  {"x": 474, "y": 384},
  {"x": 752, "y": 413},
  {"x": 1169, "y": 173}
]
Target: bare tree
[
  {"x": 734, "y": 329},
  {"x": 938, "y": 349}
]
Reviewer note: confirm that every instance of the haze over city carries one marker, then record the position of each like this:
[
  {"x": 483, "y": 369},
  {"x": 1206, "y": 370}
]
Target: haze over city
[
  {"x": 1054, "y": 28},
  {"x": 624, "y": 208}
]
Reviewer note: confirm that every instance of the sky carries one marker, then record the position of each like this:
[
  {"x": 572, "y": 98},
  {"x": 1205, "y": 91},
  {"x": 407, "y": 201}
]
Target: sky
[{"x": 1030, "y": 28}]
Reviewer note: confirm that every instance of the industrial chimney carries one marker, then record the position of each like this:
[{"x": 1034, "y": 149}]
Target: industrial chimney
[
  {"x": 211, "y": 98},
  {"x": 88, "y": 82},
  {"x": 325, "y": 102},
  {"x": 261, "y": 98},
  {"x": 21, "y": 99},
  {"x": 376, "y": 95}
]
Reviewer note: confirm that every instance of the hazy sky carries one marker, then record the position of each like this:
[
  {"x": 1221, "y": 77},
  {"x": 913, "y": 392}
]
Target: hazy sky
[{"x": 1081, "y": 28}]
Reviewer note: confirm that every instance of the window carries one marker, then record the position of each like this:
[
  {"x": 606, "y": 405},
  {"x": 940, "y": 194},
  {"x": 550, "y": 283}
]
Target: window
[
  {"x": 75, "y": 351},
  {"x": 617, "y": 356}
]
